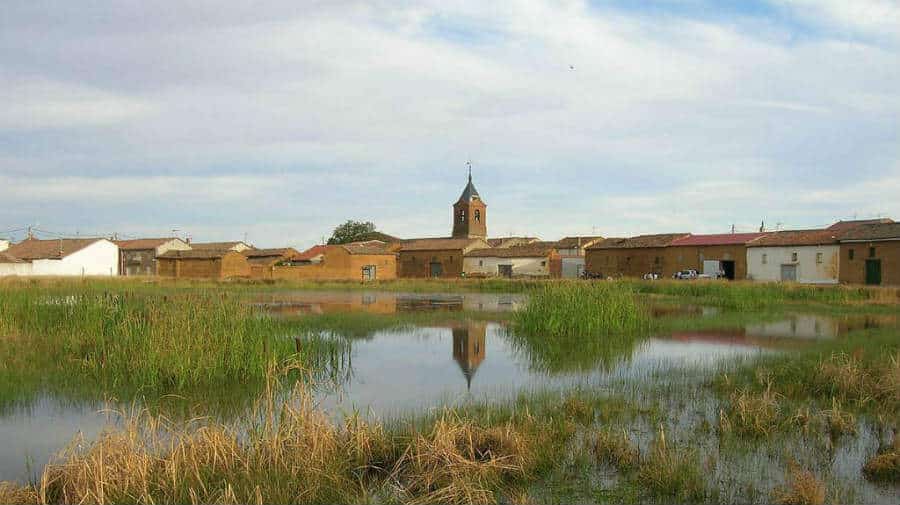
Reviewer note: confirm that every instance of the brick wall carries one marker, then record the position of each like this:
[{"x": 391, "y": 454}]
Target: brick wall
[
  {"x": 417, "y": 264},
  {"x": 338, "y": 264},
  {"x": 854, "y": 271}
]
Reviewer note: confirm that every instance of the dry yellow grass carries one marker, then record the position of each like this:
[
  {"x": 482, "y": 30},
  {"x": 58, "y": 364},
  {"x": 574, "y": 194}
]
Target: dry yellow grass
[
  {"x": 14, "y": 494},
  {"x": 616, "y": 449},
  {"x": 802, "y": 488},
  {"x": 885, "y": 466},
  {"x": 751, "y": 414},
  {"x": 460, "y": 462}
]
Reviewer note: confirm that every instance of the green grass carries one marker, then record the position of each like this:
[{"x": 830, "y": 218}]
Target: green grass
[{"x": 125, "y": 343}]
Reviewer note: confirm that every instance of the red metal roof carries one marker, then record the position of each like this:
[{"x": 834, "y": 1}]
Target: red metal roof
[{"x": 717, "y": 239}]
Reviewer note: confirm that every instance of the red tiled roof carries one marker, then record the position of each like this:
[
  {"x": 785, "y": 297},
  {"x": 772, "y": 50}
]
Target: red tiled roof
[
  {"x": 641, "y": 241},
  {"x": 539, "y": 250},
  {"x": 440, "y": 244},
  {"x": 848, "y": 225},
  {"x": 573, "y": 242},
  {"x": 285, "y": 252},
  {"x": 217, "y": 246},
  {"x": 312, "y": 252},
  {"x": 195, "y": 254},
  {"x": 9, "y": 258},
  {"x": 35, "y": 249},
  {"x": 795, "y": 237},
  {"x": 717, "y": 239},
  {"x": 142, "y": 243},
  {"x": 880, "y": 231}
]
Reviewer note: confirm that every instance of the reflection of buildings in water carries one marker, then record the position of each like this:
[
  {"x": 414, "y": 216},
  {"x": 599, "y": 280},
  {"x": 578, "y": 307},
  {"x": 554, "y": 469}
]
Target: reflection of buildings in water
[{"x": 468, "y": 348}]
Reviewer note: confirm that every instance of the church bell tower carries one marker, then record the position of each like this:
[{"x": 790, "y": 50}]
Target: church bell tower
[{"x": 470, "y": 213}]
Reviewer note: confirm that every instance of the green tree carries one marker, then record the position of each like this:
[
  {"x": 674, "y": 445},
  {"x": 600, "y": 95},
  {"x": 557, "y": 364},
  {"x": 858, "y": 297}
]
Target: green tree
[{"x": 349, "y": 231}]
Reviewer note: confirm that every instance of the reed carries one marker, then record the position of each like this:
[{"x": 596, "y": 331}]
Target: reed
[{"x": 123, "y": 343}]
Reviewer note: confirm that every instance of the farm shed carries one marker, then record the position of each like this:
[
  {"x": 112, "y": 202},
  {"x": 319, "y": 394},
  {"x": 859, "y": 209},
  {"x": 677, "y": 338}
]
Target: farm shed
[
  {"x": 436, "y": 257},
  {"x": 66, "y": 256},
  {"x": 724, "y": 253},
  {"x": 212, "y": 264},
  {"x": 262, "y": 261},
  {"x": 870, "y": 254},
  {"x": 138, "y": 256},
  {"x": 352, "y": 262},
  {"x": 807, "y": 256},
  {"x": 531, "y": 260},
  {"x": 632, "y": 257}
]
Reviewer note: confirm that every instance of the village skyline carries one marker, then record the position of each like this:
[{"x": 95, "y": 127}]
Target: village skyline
[{"x": 283, "y": 121}]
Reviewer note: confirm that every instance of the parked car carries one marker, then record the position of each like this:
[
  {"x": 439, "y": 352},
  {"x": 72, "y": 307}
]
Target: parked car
[
  {"x": 686, "y": 274},
  {"x": 651, "y": 276}
]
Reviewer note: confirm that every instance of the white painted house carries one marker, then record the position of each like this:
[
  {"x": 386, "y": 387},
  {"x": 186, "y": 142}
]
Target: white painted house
[
  {"x": 4, "y": 244},
  {"x": 806, "y": 256},
  {"x": 571, "y": 251},
  {"x": 64, "y": 257},
  {"x": 533, "y": 260}
]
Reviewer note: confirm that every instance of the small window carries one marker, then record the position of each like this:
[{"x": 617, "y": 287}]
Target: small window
[
  {"x": 871, "y": 252},
  {"x": 543, "y": 263},
  {"x": 850, "y": 254},
  {"x": 819, "y": 258},
  {"x": 765, "y": 259},
  {"x": 477, "y": 216},
  {"x": 481, "y": 263},
  {"x": 462, "y": 216},
  {"x": 793, "y": 256}
]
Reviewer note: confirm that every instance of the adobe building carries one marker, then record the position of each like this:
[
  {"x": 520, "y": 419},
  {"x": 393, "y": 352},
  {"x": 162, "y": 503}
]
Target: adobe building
[
  {"x": 443, "y": 257},
  {"x": 870, "y": 254},
  {"x": 363, "y": 262},
  {"x": 717, "y": 254},
  {"x": 263, "y": 260},
  {"x": 203, "y": 264},
  {"x": 632, "y": 257},
  {"x": 570, "y": 264},
  {"x": 138, "y": 256}
]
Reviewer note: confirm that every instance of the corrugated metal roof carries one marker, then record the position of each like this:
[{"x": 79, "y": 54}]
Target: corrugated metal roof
[{"x": 717, "y": 239}]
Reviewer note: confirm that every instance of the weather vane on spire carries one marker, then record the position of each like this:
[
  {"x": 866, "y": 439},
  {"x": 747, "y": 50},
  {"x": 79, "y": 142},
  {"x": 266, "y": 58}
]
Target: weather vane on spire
[{"x": 469, "y": 165}]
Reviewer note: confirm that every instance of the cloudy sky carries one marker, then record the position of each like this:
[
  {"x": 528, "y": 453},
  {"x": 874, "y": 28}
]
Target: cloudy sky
[{"x": 282, "y": 119}]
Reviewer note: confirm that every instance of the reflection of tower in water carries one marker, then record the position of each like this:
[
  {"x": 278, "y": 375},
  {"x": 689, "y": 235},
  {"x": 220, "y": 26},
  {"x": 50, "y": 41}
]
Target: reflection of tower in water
[{"x": 468, "y": 348}]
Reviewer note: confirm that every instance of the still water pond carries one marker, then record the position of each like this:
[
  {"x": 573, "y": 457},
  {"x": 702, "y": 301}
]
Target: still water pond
[{"x": 473, "y": 356}]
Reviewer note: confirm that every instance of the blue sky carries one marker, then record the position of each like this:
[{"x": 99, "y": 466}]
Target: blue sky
[{"x": 282, "y": 119}]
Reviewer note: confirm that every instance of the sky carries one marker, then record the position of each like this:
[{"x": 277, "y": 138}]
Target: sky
[{"x": 275, "y": 121}]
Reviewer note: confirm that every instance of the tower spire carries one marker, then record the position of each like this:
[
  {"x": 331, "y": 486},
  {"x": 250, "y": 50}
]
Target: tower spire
[{"x": 469, "y": 164}]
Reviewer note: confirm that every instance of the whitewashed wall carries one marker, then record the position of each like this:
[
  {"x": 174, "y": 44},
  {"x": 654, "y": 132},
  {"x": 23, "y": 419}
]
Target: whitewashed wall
[
  {"x": 4, "y": 244},
  {"x": 808, "y": 270},
  {"x": 98, "y": 259},
  {"x": 521, "y": 266},
  {"x": 15, "y": 269}
]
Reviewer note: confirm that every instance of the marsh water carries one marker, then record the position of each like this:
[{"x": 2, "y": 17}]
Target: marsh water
[{"x": 471, "y": 354}]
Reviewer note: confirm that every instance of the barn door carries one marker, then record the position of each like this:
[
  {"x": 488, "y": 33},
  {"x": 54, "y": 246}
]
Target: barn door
[
  {"x": 505, "y": 270},
  {"x": 437, "y": 269},
  {"x": 873, "y": 271}
]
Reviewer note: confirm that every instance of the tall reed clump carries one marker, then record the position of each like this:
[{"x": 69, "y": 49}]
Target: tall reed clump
[
  {"x": 802, "y": 488},
  {"x": 575, "y": 326},
  {"x": 150, "y": 342},
  {"x": 582, "y": 309},
  {"x": 292, "y": 453},
  {"x": 885, "y": 466}
]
